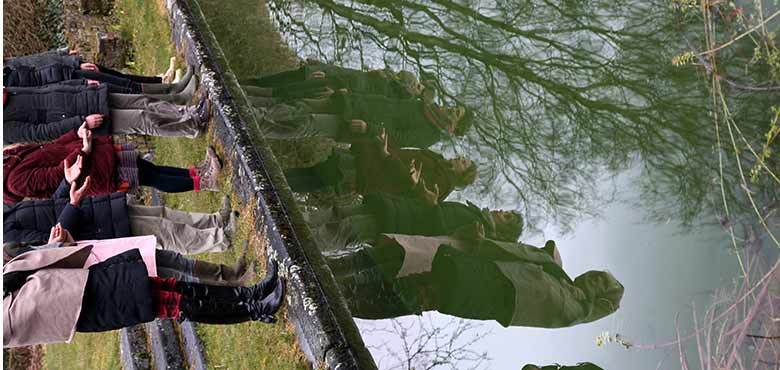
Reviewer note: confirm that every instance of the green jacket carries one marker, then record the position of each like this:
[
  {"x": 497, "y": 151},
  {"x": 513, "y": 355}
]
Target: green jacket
[{"x": 527, "y": 285}]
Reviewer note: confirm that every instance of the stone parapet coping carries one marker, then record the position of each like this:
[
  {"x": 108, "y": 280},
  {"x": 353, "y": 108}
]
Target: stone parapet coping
[{"x": 326, "y": 332}]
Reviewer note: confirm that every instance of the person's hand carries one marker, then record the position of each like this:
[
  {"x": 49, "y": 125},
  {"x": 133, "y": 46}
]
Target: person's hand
[
  {"x": 55, "y": 235},
  {"x": 89, "y": 67},
  {"x": 93, "y": 83},
  {"x": 359, "y": 126},
  {"x": 94, "y": 121},
  {"x": 77, "y": 194},
  {"x": 415, "y": 173},
  {"x": 385, "y": 145},
  {"x": 82, "y": 131},
  {"x": 86, "y": 142},
  {"x": 317, "y": 74},
  {"x": 60, "y": 234},
  {"x": 428, "y": 195},
  {"x": 73, "y": 171}
]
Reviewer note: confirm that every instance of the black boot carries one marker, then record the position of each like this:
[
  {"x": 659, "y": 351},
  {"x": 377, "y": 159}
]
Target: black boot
[
  {"x": 216, "y": 304},
  {"x": 266, "y": 286},
  {"x": 265, "y": 309},
  {"x": 214, "y": 311}
]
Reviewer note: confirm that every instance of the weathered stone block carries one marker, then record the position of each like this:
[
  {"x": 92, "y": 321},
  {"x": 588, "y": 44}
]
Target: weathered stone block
[{"x": 113, "y": 51}]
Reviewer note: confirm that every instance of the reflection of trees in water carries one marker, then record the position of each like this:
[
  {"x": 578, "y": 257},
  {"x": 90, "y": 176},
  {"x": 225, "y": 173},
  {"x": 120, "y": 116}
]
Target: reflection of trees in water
[
  {"x": 561, "y": 90},
  {"x": 422, "y": 344}
]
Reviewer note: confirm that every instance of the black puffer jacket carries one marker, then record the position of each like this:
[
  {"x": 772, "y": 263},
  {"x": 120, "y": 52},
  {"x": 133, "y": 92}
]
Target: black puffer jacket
[
  {"x": 118, "y": 294},
  {"x": 58, "y": 56},
  {"x": 40, "y": 69},
  {"x": 38, "y": 114},
  {"x": 102, "y": 217}
]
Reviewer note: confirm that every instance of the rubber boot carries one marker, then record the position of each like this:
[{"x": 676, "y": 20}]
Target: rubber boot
[
  {"x": 172, "y": 88},
  {"x": 205, "y": 302},
  {"x": 264, "y": 287},
  {"x": 265, "y": 309},
  {"x": 214, "y": 311},
  {"x": 180, "y": 98}
]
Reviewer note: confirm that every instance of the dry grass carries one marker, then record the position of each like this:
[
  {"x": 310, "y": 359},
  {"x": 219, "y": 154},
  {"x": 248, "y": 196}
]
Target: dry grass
[{"x": 22, "y": 33}]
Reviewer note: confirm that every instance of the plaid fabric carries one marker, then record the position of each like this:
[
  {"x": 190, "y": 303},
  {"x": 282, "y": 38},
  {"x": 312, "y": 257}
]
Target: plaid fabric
[
  {"x": 165, "y": 297},
  {"x": 127, "y": 168}
]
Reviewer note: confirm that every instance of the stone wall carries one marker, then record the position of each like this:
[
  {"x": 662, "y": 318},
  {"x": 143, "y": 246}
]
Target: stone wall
[{"x": 326, "y": 332}]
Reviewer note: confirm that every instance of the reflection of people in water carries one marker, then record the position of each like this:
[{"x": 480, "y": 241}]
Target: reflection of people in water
[
  {"x": 388, "y": 213},
  {"x": 318, "y": 79},
  {"x": 344, "y": 116},
  {"x": 373, "y": 166},
  {"x": 470, "y": 277},
  {"x": 580, "y": 366}
]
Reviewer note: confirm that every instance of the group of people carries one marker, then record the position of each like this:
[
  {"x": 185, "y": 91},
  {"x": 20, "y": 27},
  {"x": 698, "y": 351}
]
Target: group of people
[
  {"x": 78, "y": 254},
  {"x": 405, "y": 248},
  {"x": 79, "y": 257}
]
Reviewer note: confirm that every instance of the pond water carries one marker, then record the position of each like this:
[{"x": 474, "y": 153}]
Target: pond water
[{"x": 586, "y": 119}]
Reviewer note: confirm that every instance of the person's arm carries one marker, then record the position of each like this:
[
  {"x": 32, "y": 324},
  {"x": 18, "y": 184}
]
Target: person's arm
[
  {"x": 79, "y": 82},
  {"x": 62, "y": 191},
  {"x": 28, "y": 132},
  {"x": 13, "y": 281},
  {"x": 35, "y": 180},
  {"x": 71, "y": 216}
]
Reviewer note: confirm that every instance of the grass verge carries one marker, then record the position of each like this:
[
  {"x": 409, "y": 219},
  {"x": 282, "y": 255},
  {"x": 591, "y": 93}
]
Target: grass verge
[{"x": 244, "y": 346}]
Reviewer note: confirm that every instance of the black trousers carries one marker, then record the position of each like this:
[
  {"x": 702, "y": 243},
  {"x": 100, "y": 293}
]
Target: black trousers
[
  {"x": 117, "y": 85},
  {"x": 164, "y": 178},
  {"x": 134, "y": 78}
]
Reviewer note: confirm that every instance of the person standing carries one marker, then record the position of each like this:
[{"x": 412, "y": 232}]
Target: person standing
[
  {"x": 40, "y": 114},
  {"x": 51, "y": 293}
]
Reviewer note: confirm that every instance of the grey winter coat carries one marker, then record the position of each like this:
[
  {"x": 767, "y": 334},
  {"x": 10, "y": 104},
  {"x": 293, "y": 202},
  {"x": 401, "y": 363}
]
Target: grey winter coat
[{"x": 39, "y": 114}]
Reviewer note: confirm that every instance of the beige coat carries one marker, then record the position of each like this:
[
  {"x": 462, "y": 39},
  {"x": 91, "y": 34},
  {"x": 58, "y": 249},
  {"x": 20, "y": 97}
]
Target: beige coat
[{"x": 47, "y": 307}]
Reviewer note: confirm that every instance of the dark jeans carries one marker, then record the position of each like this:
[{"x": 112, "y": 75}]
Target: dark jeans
[
  {"x": 278, "y": 79},
  {"x": 164, "y": 178},
  {"x": 134, "y": 78},
  {"x": 116, "y": 84}
]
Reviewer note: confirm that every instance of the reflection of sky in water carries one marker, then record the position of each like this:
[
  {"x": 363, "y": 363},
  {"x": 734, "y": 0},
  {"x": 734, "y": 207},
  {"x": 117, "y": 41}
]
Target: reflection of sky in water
[{"x": 663, "y": 269}]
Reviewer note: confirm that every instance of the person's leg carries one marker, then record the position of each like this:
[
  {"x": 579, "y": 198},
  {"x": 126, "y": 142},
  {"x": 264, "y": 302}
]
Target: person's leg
[
  {"x": 182, "y": 97},
  {"x": 127, "y": 86},
  {"x": 179, "y": 237},
  {"x": 320, "y": 106},
  {"x": 213, "y": 304},
  {"x": 172, "y": 88},
  {"x": 153, "y": 117},
  {"x": 135, "y": 78},
  {"x": 166, "y": 179},
  {"x": 311, "y": 88},
  {"x": 172, "y": 264},
  {"x": 365, "y": 275},
  {"x": 285, "y": 122},
  {"x": 198, "y": 220}
]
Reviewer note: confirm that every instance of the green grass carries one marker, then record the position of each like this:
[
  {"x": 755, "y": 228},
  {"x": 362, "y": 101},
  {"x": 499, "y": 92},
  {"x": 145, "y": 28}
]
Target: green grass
[
  {"x": 247, "y": 37},
  {"x": 244, "y": 346},
  {"x": 86, "y": 351}
]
